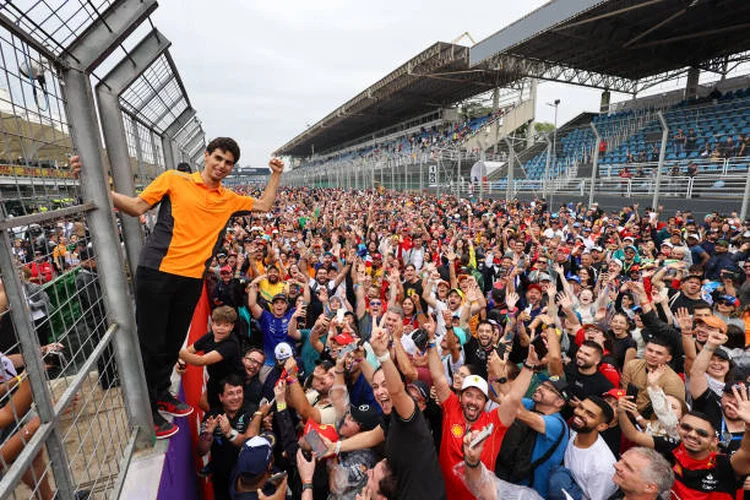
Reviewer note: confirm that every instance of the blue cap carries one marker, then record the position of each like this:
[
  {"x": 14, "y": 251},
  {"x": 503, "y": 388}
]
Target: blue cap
[
  {"x": 254, "y": 457},
  {"x": 573, "y": 277}
]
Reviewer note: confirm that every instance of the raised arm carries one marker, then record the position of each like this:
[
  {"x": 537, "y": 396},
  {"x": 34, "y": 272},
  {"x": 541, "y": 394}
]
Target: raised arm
[
  {"x": 625, "y": 406},
  {"x": 512, "y": 402},
  {"x": 741, "y": 458},
  {"x": 403, "y": 404},
  {"x": 252, "y": 297},
  {"x": 698, "y": 380},
  {"x": 265, "y": 202},
  {"x": 437, "y": 372}
]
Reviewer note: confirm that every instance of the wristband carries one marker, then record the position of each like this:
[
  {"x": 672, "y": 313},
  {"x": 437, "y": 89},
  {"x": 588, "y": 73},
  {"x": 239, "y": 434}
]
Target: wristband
[
  {"x": 232, "y": 435},
  {"x": 472, "y": 465},
  {"x": 528, "y": 366},
  {"x": 18, "y": 379},
  {"x": 338, "y": 448},
  {"x": 307, "y": 486},
  {"x": 257, "y": 413},
  {"x": 280, "y": 406},
  {"x": 432, "y": 344},
  {"x": 385, "y": 357}
]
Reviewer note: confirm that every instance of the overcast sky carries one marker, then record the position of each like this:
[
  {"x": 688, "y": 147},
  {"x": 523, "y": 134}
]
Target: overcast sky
[{"x": 261, "y": 71}]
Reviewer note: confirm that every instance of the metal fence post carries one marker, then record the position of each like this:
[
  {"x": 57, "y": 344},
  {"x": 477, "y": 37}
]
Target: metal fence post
[
  {"x": 546, "y": 166},
  {"x": 34, "y": 366},
  {"x": 662, "y": 154},
  {"x": 594, "y": 163},
  {"x": 94, "y": 186},
  {"x": 511, "y": 156},
  {"x": 746, "y": 195}
]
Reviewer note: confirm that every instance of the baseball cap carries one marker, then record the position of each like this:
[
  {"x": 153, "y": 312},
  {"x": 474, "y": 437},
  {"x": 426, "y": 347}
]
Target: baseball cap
[
  {"x": 713, "y": 322},
  {"x": 560, "y": 385},
  {"x": 456, "y": 290},
  {"x": 693, "y": 236},
  {"x": 282, "y": 351},
  {"x": 422, "y": 388},
  {"x": 543, "y": 277},
  {"x": 475, "y": 381},
  {"x": 343, "y": 339},
  {"x": 730, "y": 298},
  {"x": 279, "y": 296},
  {"x": 721, "y": 353},
  {"x": 597, "y": 249},
  {"x": 667, "y": 244},
  {"x": 615, "y": 393},
  {"x": 225, "y": 269},
  {"x": 366, "y": 416},
  {"x": 254, "y": 457},
  {"x": 722, "y": 243}
]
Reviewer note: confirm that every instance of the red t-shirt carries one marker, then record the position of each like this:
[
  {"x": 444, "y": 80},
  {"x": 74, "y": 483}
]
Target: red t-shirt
[{"x": 451, "y": 445}]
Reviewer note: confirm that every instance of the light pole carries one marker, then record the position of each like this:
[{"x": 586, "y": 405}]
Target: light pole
[{"x": 555, "y": 104}]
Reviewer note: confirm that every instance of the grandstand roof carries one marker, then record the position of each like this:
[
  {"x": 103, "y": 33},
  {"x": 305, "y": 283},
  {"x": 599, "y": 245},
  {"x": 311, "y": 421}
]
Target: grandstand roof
[
  {"x": 633, "y": 39},
  {"x": 623, "y": 45},
  {"x": 437, "y": 77}
]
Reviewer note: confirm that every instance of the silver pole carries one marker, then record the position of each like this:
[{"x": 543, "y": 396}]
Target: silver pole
[
  {"x": 545, "y": 182},
  {"x": 94, "y": 186},
  {"x": 27, "y": 337},
  {"x": 662, "y": 154},
  {"x": 113, "y": 130},
  {"x": 746, "y": 196},
  {"x": 595, "y": 164},
  {"x": 511, "y": 155}
]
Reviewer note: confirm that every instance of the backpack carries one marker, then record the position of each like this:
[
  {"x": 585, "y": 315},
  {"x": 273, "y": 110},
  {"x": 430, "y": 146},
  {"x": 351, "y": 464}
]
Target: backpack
[{"x": 514, "y": 459}]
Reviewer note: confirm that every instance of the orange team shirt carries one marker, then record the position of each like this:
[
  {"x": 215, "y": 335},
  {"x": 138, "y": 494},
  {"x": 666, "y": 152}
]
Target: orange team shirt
[
  {"x": 191, "y": 220},
  {"x": 451, "y": 445}
]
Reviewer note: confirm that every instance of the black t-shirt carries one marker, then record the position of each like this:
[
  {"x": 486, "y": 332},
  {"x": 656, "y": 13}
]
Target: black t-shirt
[
  {"x": 710, "y": 404},
  {"x": 582, "y": 386},
  {"x": 476, "y": 355},
  {"x": 252, "y": 394},
  {"x": 223, "y": 452},
  {"x": 412, "y": 288},
  {"x": 712, "y": 475},
  {"x": 613, "y": 438},
  {"x": 679, "y": 299},
  {"x": 412, "y": 456},
  {"x": 620, "y": 348},
  {"x": 229, "y": 349}
]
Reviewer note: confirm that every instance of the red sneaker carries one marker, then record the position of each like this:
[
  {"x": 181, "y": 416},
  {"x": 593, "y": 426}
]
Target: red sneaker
[
  {"x": 173, "y": 406},
  {"x": 165, "y": 430}
]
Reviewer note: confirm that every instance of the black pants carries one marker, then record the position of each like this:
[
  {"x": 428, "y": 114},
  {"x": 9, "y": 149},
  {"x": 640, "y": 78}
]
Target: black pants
[{"x": 164, "y": 308}]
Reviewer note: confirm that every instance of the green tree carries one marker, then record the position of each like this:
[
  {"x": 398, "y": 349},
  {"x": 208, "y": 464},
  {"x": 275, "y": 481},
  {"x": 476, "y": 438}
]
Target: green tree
[{"x": 546, "y": 127}]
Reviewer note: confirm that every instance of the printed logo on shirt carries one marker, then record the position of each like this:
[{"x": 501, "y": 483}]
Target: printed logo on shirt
[
  {"x": 709, "y": 483},
  {"x": 457, "y": 431}
]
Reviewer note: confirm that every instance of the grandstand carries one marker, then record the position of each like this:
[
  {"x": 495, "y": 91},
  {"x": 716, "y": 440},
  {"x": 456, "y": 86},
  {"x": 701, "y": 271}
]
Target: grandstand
[{"x": 625, "y": 46}]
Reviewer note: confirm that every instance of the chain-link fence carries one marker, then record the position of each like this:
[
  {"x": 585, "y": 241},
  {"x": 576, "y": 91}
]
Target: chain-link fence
[{"x": 73, "y": 401}]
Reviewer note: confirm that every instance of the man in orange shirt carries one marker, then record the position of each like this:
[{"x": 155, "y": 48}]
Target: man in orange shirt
[
  {"x": 465, "y": 413},
  {"x": 195, "y": 209}
]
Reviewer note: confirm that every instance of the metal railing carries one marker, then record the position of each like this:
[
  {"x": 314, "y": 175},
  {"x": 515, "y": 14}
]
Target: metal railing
[{"x": 79, "y": 407}]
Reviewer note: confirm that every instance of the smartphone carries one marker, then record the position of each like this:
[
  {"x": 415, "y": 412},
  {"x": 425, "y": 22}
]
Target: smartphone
[
  {"x": 278, "y": 477},
  {"x": 540, "y": 347},
  {"x": 330, "y": 314},
  {"x": 340, "y": 312},
  {"x": 316, "y": 443},
  {"x": 632, "y": 390},
  {"x": 347, "y": 350},
  {"x": 482, "y": 436}
]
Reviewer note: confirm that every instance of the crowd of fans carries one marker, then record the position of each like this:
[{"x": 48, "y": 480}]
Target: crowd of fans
[{"x": 390, "y": 345}]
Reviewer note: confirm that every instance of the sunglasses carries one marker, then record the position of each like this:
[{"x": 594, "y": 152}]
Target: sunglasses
[
  {"x": 689, "y": 428},
  {"x": 375, "y": 302}
]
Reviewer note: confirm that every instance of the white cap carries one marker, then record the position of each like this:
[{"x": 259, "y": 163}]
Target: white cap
[
  {"x": 667, "y": 244},
  {"x": 693, "y": 235},
  {"x": 282, "y": 351},
  {"x": 475, "y": 381},
  {"x": 628, "y": 238}
]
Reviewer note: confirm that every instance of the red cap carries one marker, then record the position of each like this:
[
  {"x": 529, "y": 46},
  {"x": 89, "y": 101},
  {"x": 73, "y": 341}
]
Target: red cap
[
  {"x": 226, "y": 269},
  {"x": 615, "y": 393},
  {"x": 328, "y": 431},
  {"x": 343, "y": 339}
]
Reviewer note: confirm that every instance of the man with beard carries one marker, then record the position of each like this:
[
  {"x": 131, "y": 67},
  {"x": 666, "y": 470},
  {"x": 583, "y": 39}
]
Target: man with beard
[
  {"x": 465, "y": 412},
  {"x": 271, "y": 284},
  {"x": 252, "y": 361},
  {"x": 478, "y": 348},
  {"x": 700, "y": 471},
  {"x": 584, "y": 378},
  {"x": 588, "y": 459}
]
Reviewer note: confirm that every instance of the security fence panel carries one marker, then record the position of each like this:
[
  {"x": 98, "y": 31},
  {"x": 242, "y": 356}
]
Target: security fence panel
[{"x": 69, "y": 429}]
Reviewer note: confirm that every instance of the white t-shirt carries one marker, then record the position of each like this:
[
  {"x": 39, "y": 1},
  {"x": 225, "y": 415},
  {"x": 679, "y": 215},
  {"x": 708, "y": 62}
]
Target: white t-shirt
[{"x": 592, "y": 468}]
